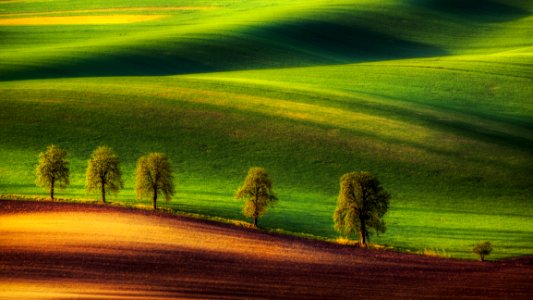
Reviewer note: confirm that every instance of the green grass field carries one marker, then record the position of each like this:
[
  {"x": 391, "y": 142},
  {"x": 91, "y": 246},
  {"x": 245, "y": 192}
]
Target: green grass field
[{"x": 434, "y": 97}]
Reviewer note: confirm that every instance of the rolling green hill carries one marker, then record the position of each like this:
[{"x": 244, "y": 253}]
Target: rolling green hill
[{"x": 434, "y": 97}]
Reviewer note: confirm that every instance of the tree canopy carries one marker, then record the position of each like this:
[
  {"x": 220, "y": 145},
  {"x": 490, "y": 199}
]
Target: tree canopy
[
  {"x": 153, "y": 176},
  {"x": 361, "y": 205},
  {"x": 103, "y": 172},
  {"x": 53, "y": 169},
  {"x": 483, "y": 249},
  {"x": 257, "y": 192}
]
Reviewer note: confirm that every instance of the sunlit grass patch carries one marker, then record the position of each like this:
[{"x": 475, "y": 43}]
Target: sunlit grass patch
[
  {"x": 434, "y": 253},
  {"x": 78, "y": 20},
  {"x": 346, "y": 241}
]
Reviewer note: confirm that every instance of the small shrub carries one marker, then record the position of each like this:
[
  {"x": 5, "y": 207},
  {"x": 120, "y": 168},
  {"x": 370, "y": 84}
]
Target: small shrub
[{"x": 482, "y": 249}]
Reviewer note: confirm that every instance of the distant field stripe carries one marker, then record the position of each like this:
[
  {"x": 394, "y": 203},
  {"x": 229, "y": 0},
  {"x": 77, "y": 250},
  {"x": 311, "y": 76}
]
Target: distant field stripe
[
  {"x": 455, "y": 69},
  {"x": 386, "y": 102},
  {"x": 147, "y": 8},
  {"x": 318, "y": 114},
  {"x": 79, "y": 20}
]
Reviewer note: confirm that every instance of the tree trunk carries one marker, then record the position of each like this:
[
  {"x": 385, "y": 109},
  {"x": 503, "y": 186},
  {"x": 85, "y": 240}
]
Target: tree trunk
[
  {"x": 362, "y": 218},
  {"x": 103, "y": 191},
  {"x": 362, "y": 238},
  {"x": 255, "y": 204},
  {"x": 362, "y": 234},
  {"x": 52, "y": 189},
  {"x": 482, "y": 257},
  {"x": 154, "y": 199}
]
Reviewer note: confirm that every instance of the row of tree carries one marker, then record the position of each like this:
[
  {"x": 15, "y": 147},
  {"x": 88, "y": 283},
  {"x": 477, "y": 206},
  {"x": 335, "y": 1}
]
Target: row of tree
[
  {"x": 361, "y": 203},
  {"x": 153, "y": 174}
]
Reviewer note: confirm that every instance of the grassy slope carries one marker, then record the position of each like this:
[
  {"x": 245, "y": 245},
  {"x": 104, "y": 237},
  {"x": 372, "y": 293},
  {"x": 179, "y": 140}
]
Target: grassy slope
[{"x": 435, "y": 100}]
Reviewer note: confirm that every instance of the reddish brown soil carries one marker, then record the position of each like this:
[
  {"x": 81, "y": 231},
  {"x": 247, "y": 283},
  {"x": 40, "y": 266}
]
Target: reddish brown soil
[{"x": 60, "y": 250}]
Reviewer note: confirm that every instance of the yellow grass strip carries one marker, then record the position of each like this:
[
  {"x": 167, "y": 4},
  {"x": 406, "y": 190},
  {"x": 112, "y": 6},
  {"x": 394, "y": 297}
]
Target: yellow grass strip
[
  {"x": 79, "y": 20},
  {"x": 118, "y": 9}
]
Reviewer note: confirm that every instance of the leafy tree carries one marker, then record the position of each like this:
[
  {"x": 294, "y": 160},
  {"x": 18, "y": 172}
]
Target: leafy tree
[
  {"x": 482, "y": 249},
  {"x": 53, "y": 169},
  {"x": 257, "y": 191},
  {"x": 103, "y": 172},
  {"x": 153, "y": 176},
  {"x": 361, "y": 204}
]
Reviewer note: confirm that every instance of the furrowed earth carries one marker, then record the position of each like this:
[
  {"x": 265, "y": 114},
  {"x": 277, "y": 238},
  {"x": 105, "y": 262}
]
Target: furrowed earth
[{"x": 64, "y": 251}]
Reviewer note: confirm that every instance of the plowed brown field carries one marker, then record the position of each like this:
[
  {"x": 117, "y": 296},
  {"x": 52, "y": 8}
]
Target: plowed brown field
[{"x": 60, "y": 250}]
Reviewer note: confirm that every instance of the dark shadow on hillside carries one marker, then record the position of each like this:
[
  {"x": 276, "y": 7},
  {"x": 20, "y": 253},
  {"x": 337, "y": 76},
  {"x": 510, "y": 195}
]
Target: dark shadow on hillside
[
  {"x": 289, "y": 44},
  {"x": 486, "y": 135},
  {"x": 343, "y": 43},
  {"x": 476, "y": 10},
  {"x": 144, "y": 62}
]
